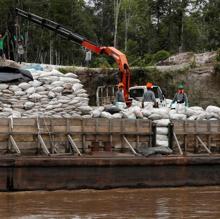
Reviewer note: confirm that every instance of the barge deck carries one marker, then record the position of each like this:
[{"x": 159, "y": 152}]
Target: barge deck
[{"x": 53, "y": 154}]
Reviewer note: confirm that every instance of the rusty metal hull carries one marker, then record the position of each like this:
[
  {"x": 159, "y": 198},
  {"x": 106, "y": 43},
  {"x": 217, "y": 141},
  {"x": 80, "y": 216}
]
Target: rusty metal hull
[{"x": 48, "y": 173}]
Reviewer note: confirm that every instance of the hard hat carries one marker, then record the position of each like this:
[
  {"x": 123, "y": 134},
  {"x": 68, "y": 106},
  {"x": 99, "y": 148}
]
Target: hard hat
[
  {"x": 149, "y": 85},
  {"x": 180, "y": 86},
  {"x": 120, "y": 84}
]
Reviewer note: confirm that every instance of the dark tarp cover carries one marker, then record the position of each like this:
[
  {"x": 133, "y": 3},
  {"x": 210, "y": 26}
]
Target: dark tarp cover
[{"x": 8, "y": 74}]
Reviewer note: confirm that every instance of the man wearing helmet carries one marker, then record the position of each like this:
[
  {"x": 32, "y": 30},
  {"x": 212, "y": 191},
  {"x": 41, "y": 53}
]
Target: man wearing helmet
[
  {"x": 149, "y": 98},
  {"x": 119, "y": 98},
  {"x": 181, "y": 99}
]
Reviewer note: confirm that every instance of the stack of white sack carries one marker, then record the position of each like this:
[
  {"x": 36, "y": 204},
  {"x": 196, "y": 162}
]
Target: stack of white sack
[
  {"x": 162, "y": 131},
  {"x": 51, "y": 94},
  {"x": 136, "y": 112}
]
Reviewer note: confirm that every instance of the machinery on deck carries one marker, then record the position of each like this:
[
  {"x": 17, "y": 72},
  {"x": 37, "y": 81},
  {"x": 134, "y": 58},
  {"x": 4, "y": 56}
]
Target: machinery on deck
[
  {"x": 104, "y": 94},
  {"x": 118, "y": 56}
]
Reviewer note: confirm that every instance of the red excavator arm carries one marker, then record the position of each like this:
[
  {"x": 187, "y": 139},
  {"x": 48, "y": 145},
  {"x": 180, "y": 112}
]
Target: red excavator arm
[
  {"x": 118, "y": 56},
  {"x": 120, "y": 59}
]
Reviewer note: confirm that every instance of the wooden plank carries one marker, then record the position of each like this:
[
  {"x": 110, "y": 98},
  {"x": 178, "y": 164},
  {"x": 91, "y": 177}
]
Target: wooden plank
[
  {"x": 178, "y": 145},
  {"x": 24, "y": 122},
  {"x": 24, "y": 129},
  {"x": 4, "y": 122},
  {"x": 203, "y": 144},
  {"x": 214, "y": 127},
  {"x": 58, "y": 122},
  {"x": 14, "y": 145},
  {"x": 130, "y": 146},
  {"x": 4, "y": 128},
  {"x": 43, "y": 145},
  {"x": 74, "y": 147},
  {"x": 75, "y": 122},
  {"x": 60, "y": 128},
  {"x": 115, "y": 126},
  {"x": 102, "y": 125},
  {"x": 178, "y": 127}
]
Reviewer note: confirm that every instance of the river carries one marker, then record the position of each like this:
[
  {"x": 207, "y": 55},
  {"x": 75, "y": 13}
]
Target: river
[{"x": 164, "y": 203}]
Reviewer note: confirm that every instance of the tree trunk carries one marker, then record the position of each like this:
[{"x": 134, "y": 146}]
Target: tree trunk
[
  {"x": 51, "y": 52},
  {"x": 126, "y": 30},
  {"x": 117, "y": 4}
]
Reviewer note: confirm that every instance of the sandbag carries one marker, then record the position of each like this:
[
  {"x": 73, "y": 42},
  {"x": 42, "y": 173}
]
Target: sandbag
[
  {"x": 96, "y": 113},
  {"x": 106, "y": 115},
  {"x": 162, "y": 143},
  {"x": 137, "y": 111},
  {"x": 155, "y": 116},
  {"x": 161, "y": 137},
  {"x": 147, "y": 151},
  {"x": 146, "y": 112},
  {"x": 112, "y": 109},
  {"x": 117, "y": 116},
  {"x": 148, "y": 105},
  {"x": 162, "y": 122},
  {"x": 213, "y": 109},
  {"x": 162, "y": 130},
  {"x": 178, "y": 116}
]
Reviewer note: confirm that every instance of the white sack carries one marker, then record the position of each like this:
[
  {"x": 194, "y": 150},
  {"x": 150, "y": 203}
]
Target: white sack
[{"x": 162, "y": 130}]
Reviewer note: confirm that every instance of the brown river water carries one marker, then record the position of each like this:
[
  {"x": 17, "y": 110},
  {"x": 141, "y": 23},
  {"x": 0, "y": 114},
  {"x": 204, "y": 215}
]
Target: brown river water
[{"x": 165, "y": 203}]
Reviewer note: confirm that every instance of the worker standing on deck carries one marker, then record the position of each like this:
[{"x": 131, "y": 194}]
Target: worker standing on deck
[
  {"x": 181, "y": 100},
  {"x": 149, "y": 99},
  {"x": 2, "y": 38},
  {"x": 20, "y": 51},
  {"x": 119, "y": 98}
]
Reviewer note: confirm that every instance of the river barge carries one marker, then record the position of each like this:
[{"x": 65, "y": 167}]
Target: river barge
[{"x": 52, "y": 154}]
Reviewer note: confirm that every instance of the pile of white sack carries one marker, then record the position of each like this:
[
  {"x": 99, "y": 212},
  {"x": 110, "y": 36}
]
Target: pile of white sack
[
  {"x": 51, "y": 94},
  {"x": 160, "y": 116},
  {"x": 136, "y": 112}
]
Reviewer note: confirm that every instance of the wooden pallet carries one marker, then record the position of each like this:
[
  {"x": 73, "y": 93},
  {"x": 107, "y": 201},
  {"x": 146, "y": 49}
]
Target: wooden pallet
[
  {"x": 49, "y": 135},
  {"x": 193, "y": 136}
]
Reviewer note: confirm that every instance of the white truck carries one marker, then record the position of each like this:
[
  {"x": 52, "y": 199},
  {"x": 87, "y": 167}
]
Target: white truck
[
  {"x": 136, "y": 94},
  {"x": 106, "y": 95}
]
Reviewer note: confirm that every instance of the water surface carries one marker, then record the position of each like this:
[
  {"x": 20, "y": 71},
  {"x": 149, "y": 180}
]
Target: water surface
[{"x": 197, "y": 202}]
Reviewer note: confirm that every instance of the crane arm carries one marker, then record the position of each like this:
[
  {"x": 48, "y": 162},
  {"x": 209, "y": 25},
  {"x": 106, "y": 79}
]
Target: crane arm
[{"x": 118, "y": 56}]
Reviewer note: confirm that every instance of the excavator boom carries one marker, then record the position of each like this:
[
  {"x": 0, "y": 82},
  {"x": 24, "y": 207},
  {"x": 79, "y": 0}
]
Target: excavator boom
[{"x": 118, "y": 56}]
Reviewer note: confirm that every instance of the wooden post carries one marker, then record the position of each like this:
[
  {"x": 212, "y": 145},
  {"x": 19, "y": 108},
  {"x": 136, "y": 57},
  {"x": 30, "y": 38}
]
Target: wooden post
[
  {"x": 137, "y": 129},
  {"x": 83, "y": 136},
  {"x": 11, "y": 139},
  {"x": 154, "y": 136},
  {"x": 14, "y": 145},
  {"x": 203, "y": 144},
  {"x": 178, "y": 145},
  {"x": 43, "y": 145},
  {"x": 130, "y": 146},
  {"x": 170, "y": 135},
  {"x": 73, "y": 145},
  {"x": 110, "y": 131}
]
